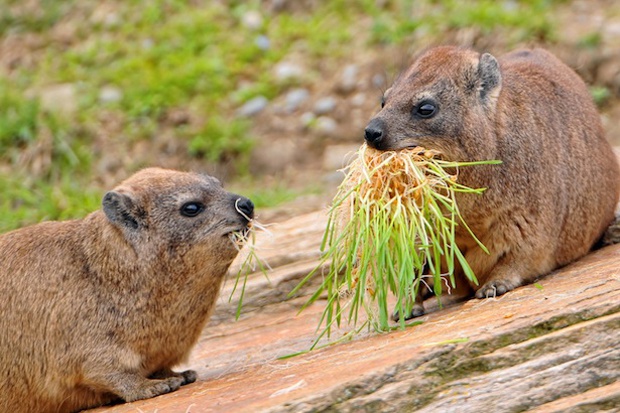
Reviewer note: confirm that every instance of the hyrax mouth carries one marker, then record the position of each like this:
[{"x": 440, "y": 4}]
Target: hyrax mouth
[
  {"x": 242, "y": 232},
  {"x": 240, "y": 236}
]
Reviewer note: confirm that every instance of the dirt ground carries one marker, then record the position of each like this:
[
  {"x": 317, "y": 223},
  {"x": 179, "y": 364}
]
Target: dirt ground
[
  {"x": 303, "y": 135},
  {"x": 311, "y": 153}
]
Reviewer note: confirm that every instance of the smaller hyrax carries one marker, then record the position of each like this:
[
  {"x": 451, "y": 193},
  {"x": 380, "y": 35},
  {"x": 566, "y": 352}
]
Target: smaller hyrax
[
  {"x": 554, "y": 194},
  {"x": 100, "y": 309}
]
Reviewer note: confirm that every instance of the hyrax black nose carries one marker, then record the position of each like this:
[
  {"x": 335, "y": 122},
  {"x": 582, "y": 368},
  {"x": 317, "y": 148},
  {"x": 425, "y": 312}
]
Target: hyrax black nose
[
  {"x": 375, "y": 132},
  {"x": 245, "y": 207}
]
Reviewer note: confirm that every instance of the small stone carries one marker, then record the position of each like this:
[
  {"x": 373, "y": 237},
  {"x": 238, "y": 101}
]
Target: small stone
[
  {"x": 295, "y": 98},
  {"x": 359, "y": 99},
  {"x": 147, "y": 44},
  {"x": 253, "y": 107},
  {"x": 348, "y": 79},
  {"x": 105, "y": 15},
  {"x": 59, "y": 98},
  {"x": 510, "y": 6},
  {"x": 178, "y": 116},
  {"x": 288, "y": 71},
  {"x": 253, "y": 20},
  {"x": 112, "y": 20},
  {"x": 325, "y": 105},
  {"x": 378, "y": 81},
  {"x": 326, "y": 126},
  {"x": 262, "y": 42},
  {"x": 307, "y": 118},
  {"x": 110, "y": 94},
  {"x": 276, "y": 157}
]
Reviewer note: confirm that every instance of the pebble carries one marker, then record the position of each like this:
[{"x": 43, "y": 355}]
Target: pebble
[
  {"x": 59, "y": 98},
  {"x": 147, "y": 44},
  {"x": 105, "y": 15},
  {"x": 378, "y": 81},
  {"x": 510, "y": 6},
  {"x": 295, "y": 98},
  {"x": 277, "y": 157},
  {"x": 348, "y": 79},
  {"x": 288, "y": 71},
  {"x": 262, "y": 42},
  {"x": 358, "y": 99},
  {"x": 112, "y": 20},
  {"x": 307, "y": 118},
  {"x": 326, "y": 126},
  {"x": 110, "y": 94},
  {"x": 325, "y": 105},
  {"x": 253, "y": 107},
  {"x": 612, "y": 29},
  {"x": 253, "y": 20}
]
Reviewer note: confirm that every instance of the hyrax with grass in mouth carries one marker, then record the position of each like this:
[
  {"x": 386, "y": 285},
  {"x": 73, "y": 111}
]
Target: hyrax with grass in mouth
[
  {"x": 101, "y": 309},
  {"x": 555, "y": 192}
]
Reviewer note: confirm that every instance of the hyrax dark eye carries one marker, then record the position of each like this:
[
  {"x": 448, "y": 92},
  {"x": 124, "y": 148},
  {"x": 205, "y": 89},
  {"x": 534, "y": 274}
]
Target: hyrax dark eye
[
  {"x": 191, "y": 209},
  {"x": 382, "y": 101},
  {"x": 425, "y": 110}
]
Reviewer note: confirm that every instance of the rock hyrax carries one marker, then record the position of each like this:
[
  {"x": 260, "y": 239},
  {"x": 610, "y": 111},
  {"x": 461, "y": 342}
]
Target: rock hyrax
[
  {"x": 556, "y": 190},
  {"x": 102, "y": 308}
]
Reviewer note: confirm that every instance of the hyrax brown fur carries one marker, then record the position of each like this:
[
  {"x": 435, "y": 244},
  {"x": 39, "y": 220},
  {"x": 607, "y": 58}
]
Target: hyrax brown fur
[
  {"x": 555, "y": 192},
  {"x": 102, "y": 308}
]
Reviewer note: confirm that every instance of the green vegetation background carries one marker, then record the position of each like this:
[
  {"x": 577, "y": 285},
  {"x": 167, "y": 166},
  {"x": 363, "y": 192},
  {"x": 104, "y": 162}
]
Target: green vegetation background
[{"x": 166, "y": 55}]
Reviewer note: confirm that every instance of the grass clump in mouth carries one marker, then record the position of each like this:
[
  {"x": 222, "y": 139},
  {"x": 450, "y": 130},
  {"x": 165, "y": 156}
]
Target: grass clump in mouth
[
  {"x": 246, "y": 238},
  {"x": 391, "y": 227}
]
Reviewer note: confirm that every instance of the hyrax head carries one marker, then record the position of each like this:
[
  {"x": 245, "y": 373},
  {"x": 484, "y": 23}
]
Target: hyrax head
[
  {"x": 177, "y": 210},
  {"x": 444, "y": 101}
]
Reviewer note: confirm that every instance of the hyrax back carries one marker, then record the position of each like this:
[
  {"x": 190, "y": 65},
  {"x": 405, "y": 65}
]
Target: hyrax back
[
  {"x": 102, "y": 308},
  {"x": 556, "y": 190}
]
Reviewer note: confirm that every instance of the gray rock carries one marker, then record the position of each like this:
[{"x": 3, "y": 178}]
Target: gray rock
[
  {"x": 253, "y": 107},
  {"x": 110, "y": 94},
  {"x": 379, "y": 81},
  {"x": 262, "y": 42},
  {"x": 326, "y": 126},
  {"x": 325, "y": 105},
  {"x": 295, "y": 98},
  {"x": 60, "y": 98},
  {"x": 348, "y": 79},
  {"x": 288, "y": 71},
  {"x": 147, "y": 44},
  {"x": 106, "y": 15},
  {"x": 307, "y": 118},
  {"x": 552, "y": 350},
  {"x": 358, "y": 99},
  {"x": 253, "y": 20},
  {"x": 276, "y": 157}
]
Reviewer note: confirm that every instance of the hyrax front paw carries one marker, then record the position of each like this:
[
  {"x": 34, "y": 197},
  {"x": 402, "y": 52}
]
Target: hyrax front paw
[
  {"x": 494, "y": 288},
  {"x": 417, "y": 311},
  {"x": 188, "y": 376},
  {"x": 152, "y": 388}
]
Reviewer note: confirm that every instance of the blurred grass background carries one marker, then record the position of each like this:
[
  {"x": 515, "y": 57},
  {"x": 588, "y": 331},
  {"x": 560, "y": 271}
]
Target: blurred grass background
[{"x": 91, "y": 91}]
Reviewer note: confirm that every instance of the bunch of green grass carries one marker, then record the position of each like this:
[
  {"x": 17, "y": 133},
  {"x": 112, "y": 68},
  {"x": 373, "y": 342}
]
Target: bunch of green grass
[{"x": 392, "y": 225}]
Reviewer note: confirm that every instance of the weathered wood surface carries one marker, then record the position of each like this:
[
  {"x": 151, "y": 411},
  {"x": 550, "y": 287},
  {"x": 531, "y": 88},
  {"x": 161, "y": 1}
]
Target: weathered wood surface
[{"x": 549, "y": 349}]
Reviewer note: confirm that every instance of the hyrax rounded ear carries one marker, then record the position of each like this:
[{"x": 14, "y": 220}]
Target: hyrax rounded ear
[
  {"x": 120, "y": 209},
  {"x": 490, "y": 77}
]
